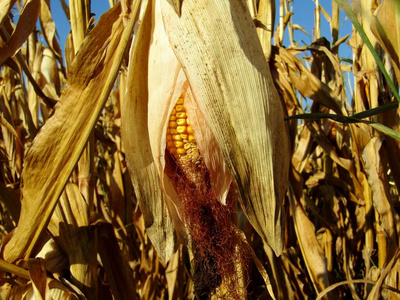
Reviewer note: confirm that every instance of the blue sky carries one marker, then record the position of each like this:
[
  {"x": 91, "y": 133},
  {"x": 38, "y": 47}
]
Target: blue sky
[{"x": 303, "y": 16}]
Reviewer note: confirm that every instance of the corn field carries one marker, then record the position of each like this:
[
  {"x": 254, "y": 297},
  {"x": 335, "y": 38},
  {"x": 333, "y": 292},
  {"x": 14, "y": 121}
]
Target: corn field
[{"x": 176, "y": 149}]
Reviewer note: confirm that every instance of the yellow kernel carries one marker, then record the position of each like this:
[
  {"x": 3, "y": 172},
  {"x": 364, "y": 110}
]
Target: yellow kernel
[
  {"x": 188, "y": 145},
  {"x": 180, "y": 108},
  {"x": 169, "y": 138},
  {"x": 189, "y": 129},
  {"x": 181, "y": 115},
  {"x": 173, "y": 124},
  {"x": 184, "y": 136},
  {"x": 191, "y": 138},
  {"x": 181, "y": 129},
  {"x": 173, "y": 131},
  {"x": 178, "y": 144},
  {"x": 187, "y": 121},
  {"x": 170, "y": 144},
  {"x": 180, "y": 101},
  {"x": 181, "y": 122},
  {"x": 177, "y": 137},
  {"x": 181, "y": 151},
  {"x": 173, "y": 113},
  {"x": 172, "y": 118}
]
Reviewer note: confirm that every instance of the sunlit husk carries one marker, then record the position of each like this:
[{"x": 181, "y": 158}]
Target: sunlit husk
[
  {"x": 170, "y": 86},
  {"x": 231, "y": 84},
  {"x": 155, "y": 206}
]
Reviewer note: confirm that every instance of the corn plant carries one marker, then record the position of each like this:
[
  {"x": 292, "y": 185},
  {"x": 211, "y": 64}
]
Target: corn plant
[{"x": 181, "y": 149}]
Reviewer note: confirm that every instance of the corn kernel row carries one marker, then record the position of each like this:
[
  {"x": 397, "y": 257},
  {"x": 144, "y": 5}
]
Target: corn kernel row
[{"x": 180, "y": 138}]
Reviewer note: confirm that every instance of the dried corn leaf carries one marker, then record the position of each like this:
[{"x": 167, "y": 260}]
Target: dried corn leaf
[
  {"x": 25, "y": 26},
  {"x": 218, "y": 47},
  {"x": 5, "y": 8},
  {"x": 135, "y": 135},
  {"x": 55, "y": 151},
  {"x": 380, "y": 192},
  {"x": 384, "y": 28},
  {"x": 10, "y": 199},
  {"x": 37, "y": 273},
  {"x": 313, "y": 254},
  {"x": 305, "y": 81},
  {"x": 115, "y": 264},
  {"x": 49, "y": 28},
  {"x": 70, "y": 227}
]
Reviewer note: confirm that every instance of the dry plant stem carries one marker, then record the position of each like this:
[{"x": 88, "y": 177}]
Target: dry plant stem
[
  {"x": 79, "y": 17},
  {"x": 335, "y": 23},
  {"x": 317, "y": 14},
  {"x": 13, "y": 269}
]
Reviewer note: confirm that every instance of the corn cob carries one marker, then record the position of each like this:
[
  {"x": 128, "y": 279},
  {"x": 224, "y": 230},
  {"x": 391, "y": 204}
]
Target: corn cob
[
  {"x": 181, "y": 144},
  {"x": 180, "y": 138}
]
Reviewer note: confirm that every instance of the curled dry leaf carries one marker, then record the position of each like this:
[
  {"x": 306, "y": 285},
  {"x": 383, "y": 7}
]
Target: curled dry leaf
[
  {"x": 5, "y": 7},
  {"x": 305, "y": 231},
  {"x": 380, "y": 192},
  {"x": 384, "y": 28},
  {"x": 25, "y": 26}
]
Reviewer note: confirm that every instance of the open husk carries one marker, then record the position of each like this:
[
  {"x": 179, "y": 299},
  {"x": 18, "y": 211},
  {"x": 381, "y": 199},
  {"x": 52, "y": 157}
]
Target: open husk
[{"x": 232, "y": 87}]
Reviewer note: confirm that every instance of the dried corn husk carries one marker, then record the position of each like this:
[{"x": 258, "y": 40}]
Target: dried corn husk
[{"x": 232, "y": 86}]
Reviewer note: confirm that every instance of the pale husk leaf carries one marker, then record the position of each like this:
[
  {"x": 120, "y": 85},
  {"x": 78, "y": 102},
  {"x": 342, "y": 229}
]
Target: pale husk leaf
[
  {"x": 170, "y": 86},
  {"x": 217, "y": 45},
  {"x": 55, "y": 151},
  {"x": 135, "y": 135}
]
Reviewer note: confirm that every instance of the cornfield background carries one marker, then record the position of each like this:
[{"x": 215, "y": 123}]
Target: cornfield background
[{"x": 71, "y": 218}]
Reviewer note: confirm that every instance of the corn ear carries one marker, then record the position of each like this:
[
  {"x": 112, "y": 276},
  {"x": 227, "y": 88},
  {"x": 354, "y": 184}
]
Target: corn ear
[{"x": 217, "y": 44}]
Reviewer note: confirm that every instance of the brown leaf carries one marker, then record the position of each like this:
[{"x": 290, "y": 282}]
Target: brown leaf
[
  {"x": 37, "y": 273},
  {"x": 5, "y": 8},
  {"x": 115, "y": 264}
]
